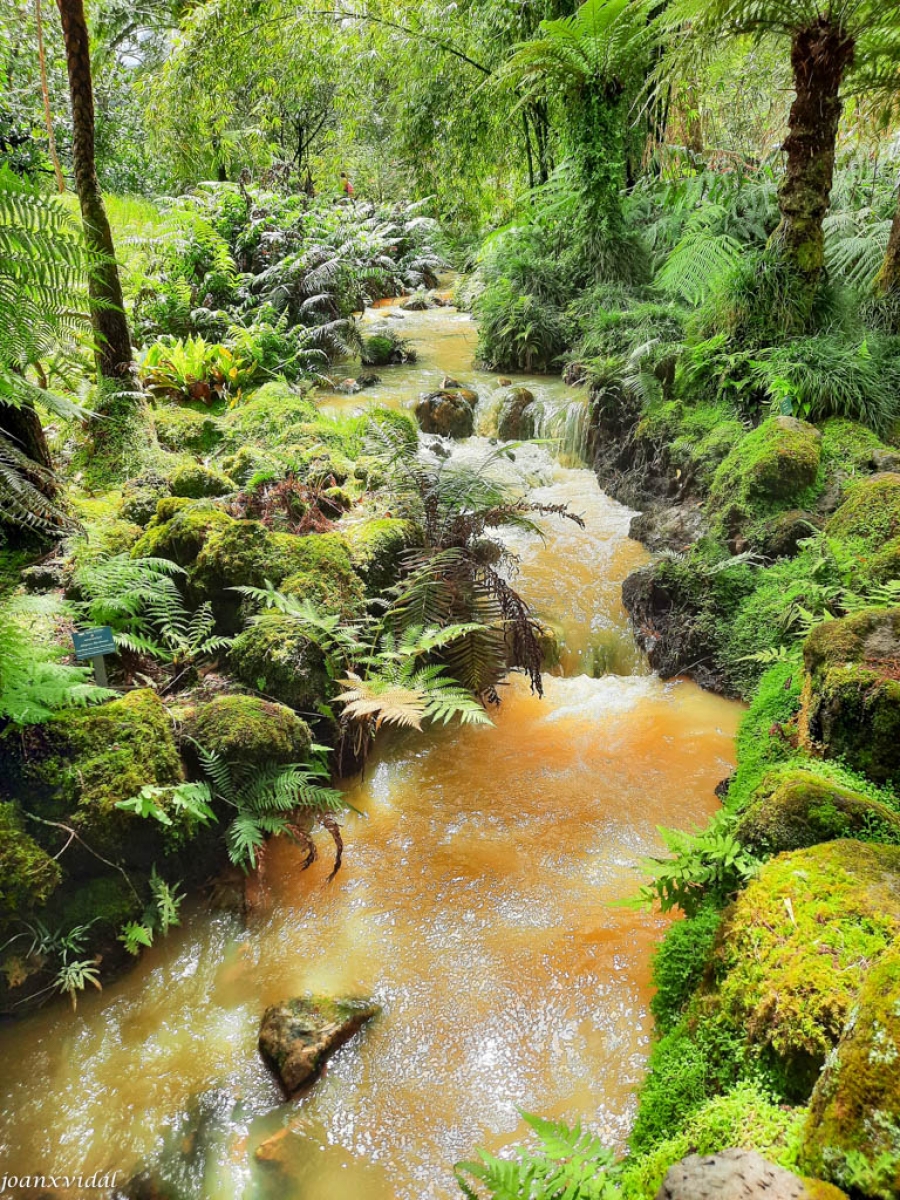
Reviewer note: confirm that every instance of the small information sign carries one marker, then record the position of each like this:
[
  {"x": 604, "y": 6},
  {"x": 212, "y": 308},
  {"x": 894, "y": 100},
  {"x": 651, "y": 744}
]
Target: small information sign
[{"x": 93, "y": 642}]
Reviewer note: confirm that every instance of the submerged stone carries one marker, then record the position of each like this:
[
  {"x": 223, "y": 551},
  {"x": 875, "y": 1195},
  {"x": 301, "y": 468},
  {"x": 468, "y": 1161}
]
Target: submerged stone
[
  {"x": 298, "y": 1036},
  {"x": 516, "y": 420}
]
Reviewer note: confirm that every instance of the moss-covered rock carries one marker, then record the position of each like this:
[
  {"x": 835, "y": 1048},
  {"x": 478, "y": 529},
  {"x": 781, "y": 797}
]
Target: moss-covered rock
[
  {"x": 447, "y": 413},
  {"x": 182, "y": 430},
  {"x": 852, "y": 1136},
  {"x": 864, "y": 533},
  {"x": 377, "y": 547},
  {"x": 297, "y": 1036},
  {"x": 27, "y": 874},
  {"x": 183, "y": 534},
  {"x": 91, "y": 760},
  {"x": 852, "y": 696},
  {"x": 193, "y": 481},
  {"x": 269, "y": 417},
  {"x": 397, "y": 425},
  {"x": 772, "y": 468},
  {"x": 318, "y": 568},
  {"x": 796, "y": 808},
  {"x": 273, "y": 656},
  {"x": 516, "y": 419},
  {"x": 246, "y": 729},
  {"x": 796, "y": 946},
  {"x": 384, "y": 347},
  {"x": 141, "y": 495}
]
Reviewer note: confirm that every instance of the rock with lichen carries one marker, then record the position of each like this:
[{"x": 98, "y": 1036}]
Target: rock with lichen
[
  {"x": 247, "y": 730},
  {"x": 852, "y": 1134},
  {"x": 448, "y": 413},
  {"x": 298, "y": 1036},
  {"x": 739, "y": 1175}
]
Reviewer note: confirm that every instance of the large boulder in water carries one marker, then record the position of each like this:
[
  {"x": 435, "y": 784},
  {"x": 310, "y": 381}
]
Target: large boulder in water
[
  {"x": 516, "y": 419},
  {"x": 297, "y": 1037},
  {"x": 739, "y": 1175},
  {"x": 450, "y": 413}
]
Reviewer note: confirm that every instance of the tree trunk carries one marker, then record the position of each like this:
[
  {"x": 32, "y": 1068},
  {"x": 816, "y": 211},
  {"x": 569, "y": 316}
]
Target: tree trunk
[
  {"x": 23, "y": 428},
  {"x": 114, "y": 356},
  {"x": 888, "y": 277},
  {"x": 820, "y": 55},
  {"x": 45, "y": 93}
]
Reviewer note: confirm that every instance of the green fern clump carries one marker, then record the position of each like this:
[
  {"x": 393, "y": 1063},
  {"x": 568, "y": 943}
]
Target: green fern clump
[
  {"x": 568, "y": 1163},
  {"x": 34, "y": 681},
  {"x": 679, "y": 963}
]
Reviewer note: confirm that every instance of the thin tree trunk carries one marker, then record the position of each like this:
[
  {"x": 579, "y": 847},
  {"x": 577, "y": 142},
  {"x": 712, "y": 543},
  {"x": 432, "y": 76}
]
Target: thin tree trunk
[
  {"x": 23, "y": 427},
  {"x": 114, "y": 356},
  {"x": 888, "y": 277},
  {"x": 820, "y": 54},
  {"x": 45, "y": 92}
]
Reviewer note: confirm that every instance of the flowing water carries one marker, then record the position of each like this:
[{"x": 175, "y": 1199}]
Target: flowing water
[{"x": 476, "y": 904}]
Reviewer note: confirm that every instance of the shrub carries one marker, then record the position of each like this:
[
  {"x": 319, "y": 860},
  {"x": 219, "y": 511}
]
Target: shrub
[{"x": 679, "y": 963}]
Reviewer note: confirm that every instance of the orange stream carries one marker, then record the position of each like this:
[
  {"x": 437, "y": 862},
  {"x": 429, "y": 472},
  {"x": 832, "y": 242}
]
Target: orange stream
[{"x": 476, "y": 904}]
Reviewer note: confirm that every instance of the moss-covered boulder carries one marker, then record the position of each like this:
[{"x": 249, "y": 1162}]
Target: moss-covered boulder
[
  {"x": 796, "y": 946},
  {"x": 269, "y": 417},
  {"x": 193, "y": 481},
  {"x": 772, "y": 468},
  {"x": 394, "y": 425},
  {"x": 796, "y": 808},
  {"x": 852, "y": 696},
  {"x": 185, "y": 431},
  {"x": 864, "y": 533},
  {"x": 141, "y": 495},
  {"x": 377, "y": 548},
  {"x": 318, "y": 568},
  {"x": 385, "y": 347},
  {"x": 27, "y": 874},
  {"x": 852, "y": 1134},
  {"x": 447, "y": 413},
  {"x": 88, "y": 761},
  {"x": 298, "y": 1036},
  {"x": 517, "y": 418},
  {"x": 274, "y": 657},
  {"x": 180, "y": 530},
  {"x": 246, "y": 729}
]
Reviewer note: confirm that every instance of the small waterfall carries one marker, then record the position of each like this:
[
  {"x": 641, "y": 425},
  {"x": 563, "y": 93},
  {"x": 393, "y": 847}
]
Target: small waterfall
[{"x": 566, "y": 421}]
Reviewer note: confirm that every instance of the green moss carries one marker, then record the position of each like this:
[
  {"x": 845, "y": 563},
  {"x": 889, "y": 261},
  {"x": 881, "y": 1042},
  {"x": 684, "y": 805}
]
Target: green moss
[
  {"x": 699, "y": 1059},
  {"x": 745, "y": 1118},
  {"x": 105, "y": 903},
  {"x": 246, "y": 729},
  {"x": 696, "y": 438},
  {"x": 794, "y": 808},
  {"x": 183, "y": 536},
  {"x": 379, "y": 350},
  {"x": 398, "y": 425},
  {"x": 92, "y": 759},
  {"x": 848, "y": 446},
  {"x": 767, "y": 733},
  {"x": 27, "y": 874},
  {"x": 679, "y": 964},
  {"x": 795, "y": 947},
  {"x": 377, "y": 547},
  {"x": 274, "y": 657},
  {"x": 184, "y": 431},
  {"x": 852, "y": 1135},
  {"x": 774, "y": 467},
  {"x": 864, "y": 533},
  {"x": 268, "y": 417},
  {"x": 317, "y": 568},
  {"x": 194, "y": 482}
]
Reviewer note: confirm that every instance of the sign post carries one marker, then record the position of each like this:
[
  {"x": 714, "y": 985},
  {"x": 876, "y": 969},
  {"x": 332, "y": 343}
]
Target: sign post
[{"x": 93, "y": 644}]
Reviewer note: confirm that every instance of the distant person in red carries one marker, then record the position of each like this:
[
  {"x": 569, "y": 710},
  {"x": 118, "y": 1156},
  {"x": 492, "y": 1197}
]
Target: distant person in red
[{"x": 346, "y": 185}]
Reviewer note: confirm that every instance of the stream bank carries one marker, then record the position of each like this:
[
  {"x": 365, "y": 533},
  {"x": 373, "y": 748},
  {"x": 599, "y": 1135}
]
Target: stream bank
[{"x": 474, "y": 905}]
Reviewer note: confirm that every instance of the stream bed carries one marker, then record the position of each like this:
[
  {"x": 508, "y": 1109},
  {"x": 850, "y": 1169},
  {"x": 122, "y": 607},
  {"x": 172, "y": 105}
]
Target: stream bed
[{"x": 477, "y": 904}]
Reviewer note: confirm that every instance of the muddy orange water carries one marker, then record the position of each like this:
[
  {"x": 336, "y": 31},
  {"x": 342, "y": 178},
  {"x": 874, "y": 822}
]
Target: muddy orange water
[{"x": 476, "y": 905}]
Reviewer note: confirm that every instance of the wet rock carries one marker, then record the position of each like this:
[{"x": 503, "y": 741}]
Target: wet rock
[
  {"x": 447, "y": 413},
  {"x": 450, "y": 382},
  {"x": 666, "y": 626},
  {"x": 46, "y": 576},
  {"x": 798, "y": 808},
  {"x": 739, "y": 1175},
  {"x": 504, "y": 382},
  {"x": 671, "y": 527},
  {"x": 516, "y": 420},
  {"x": 367, "y": 379},
  {"x": 781, "y": 536},
  {"x": 885, "y": 460},
  {"x": 851, "y": 703},
  {"x": 298, "y": 1036}
]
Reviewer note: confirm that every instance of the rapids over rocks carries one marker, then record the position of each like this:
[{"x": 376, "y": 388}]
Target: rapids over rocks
[{"x": 476, "y": 906}]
